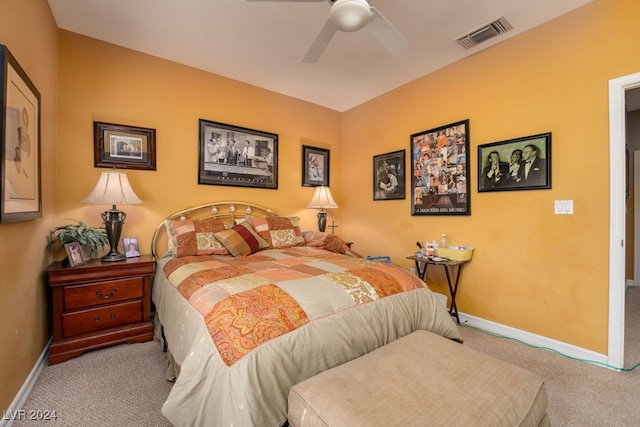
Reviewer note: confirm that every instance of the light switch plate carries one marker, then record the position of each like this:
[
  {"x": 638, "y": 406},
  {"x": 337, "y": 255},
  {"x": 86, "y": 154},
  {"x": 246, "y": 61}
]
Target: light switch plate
[{"x": 564, "y": 207}]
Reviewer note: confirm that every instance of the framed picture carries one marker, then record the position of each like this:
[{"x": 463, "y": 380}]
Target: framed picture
[
  {"x": 20, "y": 186},
  {"x": 232, "y": 155},
  {"x": 125, "y": 147},
  {"x": 73, "y": 254},
  {"x": 131, "y": 248},
  {"x": 388, "y": 176},
  {"x": 515, "y": 164},
  {"x": 315, "y": 166},
  {"x": 440, "y": 171}
]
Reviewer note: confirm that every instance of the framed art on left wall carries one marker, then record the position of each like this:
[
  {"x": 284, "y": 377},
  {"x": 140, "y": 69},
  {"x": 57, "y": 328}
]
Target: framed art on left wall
[{"x": 20, "y": 143}]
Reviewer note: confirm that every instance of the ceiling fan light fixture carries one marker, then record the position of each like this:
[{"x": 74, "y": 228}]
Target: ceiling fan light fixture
[{"x": 350, "y": 15}]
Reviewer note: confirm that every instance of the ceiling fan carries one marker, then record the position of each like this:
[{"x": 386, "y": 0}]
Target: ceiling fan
[{"x": 348, "y": 16}]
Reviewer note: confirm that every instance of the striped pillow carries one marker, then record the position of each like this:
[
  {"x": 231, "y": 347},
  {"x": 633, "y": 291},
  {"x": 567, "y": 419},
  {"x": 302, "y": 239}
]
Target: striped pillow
[{"x": 241, "y": 240}]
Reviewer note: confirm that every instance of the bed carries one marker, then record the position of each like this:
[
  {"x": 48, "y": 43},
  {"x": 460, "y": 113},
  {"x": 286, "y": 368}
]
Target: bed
[{"x": 249, "y": 306}]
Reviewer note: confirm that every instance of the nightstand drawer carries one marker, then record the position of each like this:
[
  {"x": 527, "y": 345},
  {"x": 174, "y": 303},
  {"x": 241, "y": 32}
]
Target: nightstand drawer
[
  {"x": 84, "y": 321},
  {"x": 83, "y": 296}
]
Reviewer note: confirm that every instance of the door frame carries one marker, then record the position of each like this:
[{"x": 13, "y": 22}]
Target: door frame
[{"x": 617, "y": 214}]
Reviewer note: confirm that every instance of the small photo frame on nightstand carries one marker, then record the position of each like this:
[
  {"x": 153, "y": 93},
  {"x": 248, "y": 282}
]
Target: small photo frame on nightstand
[
  {"x": 131, "y": 248},
  {"x": 73, "y": 254}
]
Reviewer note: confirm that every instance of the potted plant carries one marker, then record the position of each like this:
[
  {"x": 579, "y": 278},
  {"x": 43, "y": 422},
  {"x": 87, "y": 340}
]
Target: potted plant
[{"x": 88, "y": 237}]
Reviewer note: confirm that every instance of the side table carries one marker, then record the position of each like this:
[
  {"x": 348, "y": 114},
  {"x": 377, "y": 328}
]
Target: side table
[
  {"x": 451, "y": 267},
  {"x": 99, "y": 304}
]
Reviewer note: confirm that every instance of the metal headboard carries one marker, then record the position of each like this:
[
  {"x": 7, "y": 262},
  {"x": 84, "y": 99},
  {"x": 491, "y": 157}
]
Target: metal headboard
[{"x": 220, "y": 210}]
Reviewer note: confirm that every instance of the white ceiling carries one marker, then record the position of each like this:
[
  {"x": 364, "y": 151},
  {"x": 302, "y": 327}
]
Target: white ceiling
[{"x": 263, "y": 43}]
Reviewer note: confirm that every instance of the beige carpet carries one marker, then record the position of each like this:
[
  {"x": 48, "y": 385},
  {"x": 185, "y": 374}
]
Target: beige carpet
[
  {"x": 117, "y": 386},
  {"x": 125, "y": 385}
]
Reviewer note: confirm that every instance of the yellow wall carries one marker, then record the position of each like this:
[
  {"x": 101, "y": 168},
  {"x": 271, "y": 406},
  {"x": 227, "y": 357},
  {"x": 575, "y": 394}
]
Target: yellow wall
[
  {"x": 27, "y": 28},
  {"x": 532, "y": 270},
  {"x": 104, "y": 82}
]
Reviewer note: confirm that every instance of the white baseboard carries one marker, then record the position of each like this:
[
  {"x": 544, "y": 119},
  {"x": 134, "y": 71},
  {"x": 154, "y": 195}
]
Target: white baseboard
[
  {"x": 630, "y": 282},
  {"x": 565, "y": 349},
  {"x": 12, "y": 411}
]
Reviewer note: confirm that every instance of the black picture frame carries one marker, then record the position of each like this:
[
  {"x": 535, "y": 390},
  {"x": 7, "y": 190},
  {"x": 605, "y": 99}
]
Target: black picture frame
[
  {"x": 20, "y": 185},
  {"x": 315, "y": 166},
  {"x": 389, "y": 176},
  {"x": 124, "y": 146},
  {"x": 440, "y": 170},
  {"x": 237, "y": 156},
  {"x": 509, "y": 171}
]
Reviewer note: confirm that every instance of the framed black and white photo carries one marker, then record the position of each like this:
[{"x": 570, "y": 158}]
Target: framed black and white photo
[
  {"x": 315, "y": 166},
  {"x": 515, "y": 164},
  {"x": 440, "y": 170},
  {"x": 389, "y": 176},
  {"x": 74, "y": 255},
  {"x": 237, "y": 156},
  {"x": 123, "y": 146},
  {"x": 20, "y": 185}
]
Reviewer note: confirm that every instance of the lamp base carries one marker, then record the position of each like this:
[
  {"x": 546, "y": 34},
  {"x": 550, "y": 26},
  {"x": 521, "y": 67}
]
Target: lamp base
[
  {"x": 113, "y": 257},
  {"x": 113, "y": 220},
  {"x": 322, "y": 221}
]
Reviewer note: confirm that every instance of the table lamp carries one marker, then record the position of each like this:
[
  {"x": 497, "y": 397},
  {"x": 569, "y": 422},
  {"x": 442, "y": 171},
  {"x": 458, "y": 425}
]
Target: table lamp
[
  {"x": 113, "y": 188},
  {"x": 322, "y": 200}
]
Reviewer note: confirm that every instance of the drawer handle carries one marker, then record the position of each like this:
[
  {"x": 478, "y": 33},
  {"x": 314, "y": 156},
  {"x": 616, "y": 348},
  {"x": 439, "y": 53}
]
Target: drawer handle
[
  {"x": 113, "y": 292},
  {"x": 113, "y": 315},
  {"x": 96, "y": 319}
]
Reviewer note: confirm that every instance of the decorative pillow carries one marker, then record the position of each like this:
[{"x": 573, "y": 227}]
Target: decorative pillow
[
  {"x": 196, "y": 237},
  {"x": 241, "y": 240},
  {"x": 330, "y": 242},
  {"x": 279, "y": 231}
]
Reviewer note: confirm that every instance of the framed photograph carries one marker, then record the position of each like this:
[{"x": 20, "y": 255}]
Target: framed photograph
[
  {"x": 73, "y": 254},
  {"x": 315, "y": 166},
  {"x": 131, "y": 248},
  {"x": 440, "y": 171},
  {"x": 20, "y": 186},
  {"x": 237, "y": 156},
  {"x": 125, "y": 147},
  {"x": 516, "y": 164},
  {"x": 388, "y": 176}
]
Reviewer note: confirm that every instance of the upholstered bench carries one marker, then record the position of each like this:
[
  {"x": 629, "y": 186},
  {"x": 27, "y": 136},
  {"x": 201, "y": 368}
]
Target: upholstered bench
[{"x": 422, "y": 379}]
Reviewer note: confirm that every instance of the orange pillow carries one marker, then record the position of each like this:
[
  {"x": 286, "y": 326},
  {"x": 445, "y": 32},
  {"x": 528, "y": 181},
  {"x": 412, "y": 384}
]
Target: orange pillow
[
  {"x": 196, "y": 237},
  {"x": 279, "y": 231}
]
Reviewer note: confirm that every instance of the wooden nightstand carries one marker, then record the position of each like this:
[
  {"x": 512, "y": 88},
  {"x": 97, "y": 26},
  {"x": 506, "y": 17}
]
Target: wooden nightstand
[{"x": 99, "y": 304}]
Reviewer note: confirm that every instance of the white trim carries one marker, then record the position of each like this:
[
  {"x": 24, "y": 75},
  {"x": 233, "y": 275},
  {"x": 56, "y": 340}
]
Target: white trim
[
  {"x": 617, "y": 135},
  {"x": 25, "y": 390},
  {"x": 565, "y": 349}
]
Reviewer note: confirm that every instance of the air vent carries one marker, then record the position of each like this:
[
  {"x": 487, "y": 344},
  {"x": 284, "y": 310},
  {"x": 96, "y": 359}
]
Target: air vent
[{"x": 484, "y": 33}]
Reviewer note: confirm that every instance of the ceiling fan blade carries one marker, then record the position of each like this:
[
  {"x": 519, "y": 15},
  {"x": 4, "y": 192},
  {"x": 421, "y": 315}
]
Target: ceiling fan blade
[
  {"x": 320, "y": 43},
  {"x": 387, "y": 35}
]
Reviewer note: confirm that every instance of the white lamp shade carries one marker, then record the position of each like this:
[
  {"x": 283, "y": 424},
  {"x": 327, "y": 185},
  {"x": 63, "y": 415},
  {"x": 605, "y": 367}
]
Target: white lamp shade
[
  {"x": 322, "y": 199},
  {"x": 113, "y": 188},
  {"x": 350, "y": 15}
]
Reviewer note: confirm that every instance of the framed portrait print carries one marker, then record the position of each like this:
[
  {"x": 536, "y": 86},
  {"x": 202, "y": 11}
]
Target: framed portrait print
[
  {"x": 440, "y": 170},
  {"x": 73, "y": 254},
  {"x": 389, "y": 176},
  {"x": 237, "y": 156},
  {"x": 516, "y": 164},
  {"x": 20, "y": 143},
  {"x": 315, "y": 166},
  {"x": 125, "y": 147},
  {"x": 131, "y": 248}
]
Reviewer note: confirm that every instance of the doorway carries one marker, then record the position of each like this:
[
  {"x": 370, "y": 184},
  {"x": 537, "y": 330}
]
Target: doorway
[{"x": 617, "y": 214}]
